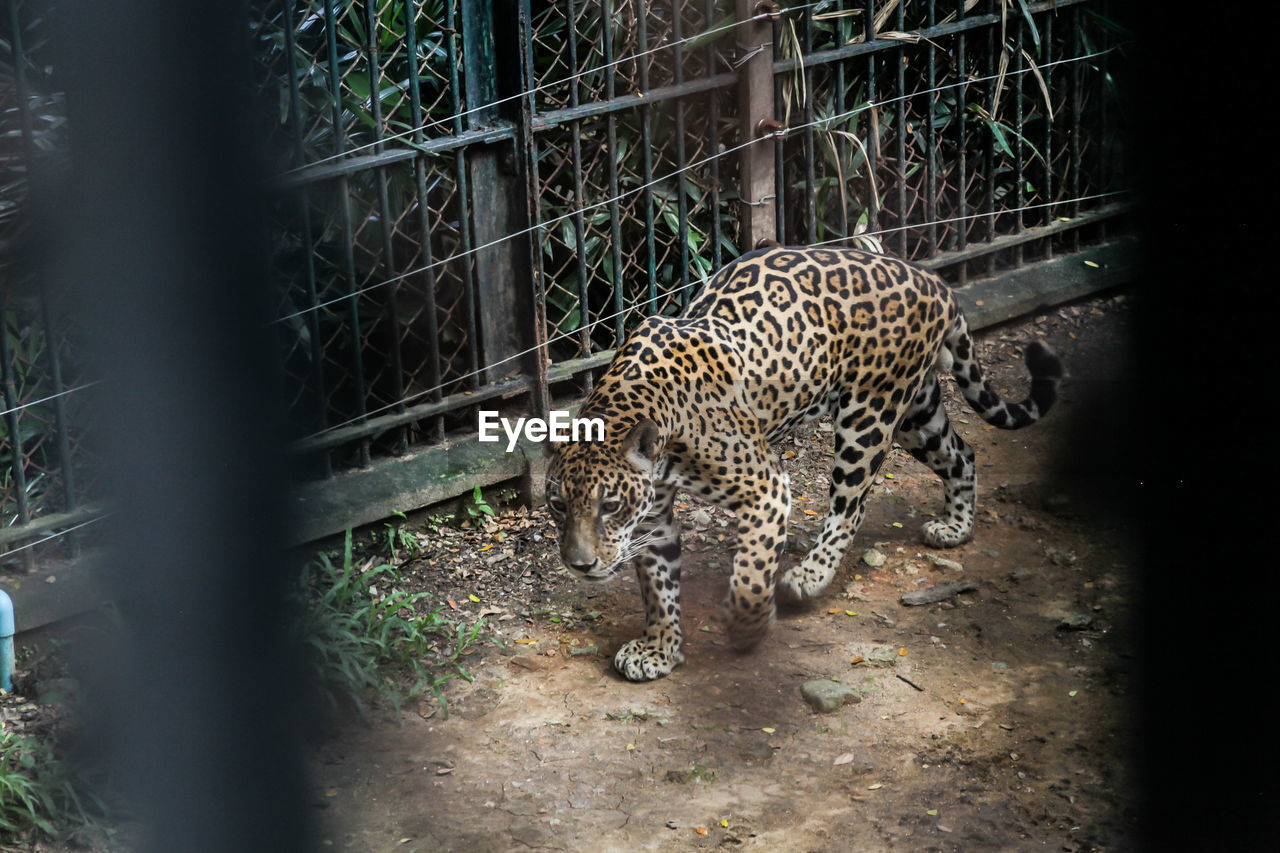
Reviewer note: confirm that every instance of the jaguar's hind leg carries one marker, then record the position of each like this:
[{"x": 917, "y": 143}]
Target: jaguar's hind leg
[
  {"x": 862, "y": 442},
  {"x": 927, "y": 435}
]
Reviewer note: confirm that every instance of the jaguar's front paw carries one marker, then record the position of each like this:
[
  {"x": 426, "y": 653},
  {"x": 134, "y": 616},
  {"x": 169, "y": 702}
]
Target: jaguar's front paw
[
  {"x": 645, "y": 660},
  {"x": 941, "y": 534}
]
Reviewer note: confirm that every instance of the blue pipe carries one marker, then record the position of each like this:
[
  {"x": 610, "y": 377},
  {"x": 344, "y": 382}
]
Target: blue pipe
[{"x": 6, "y": 642}]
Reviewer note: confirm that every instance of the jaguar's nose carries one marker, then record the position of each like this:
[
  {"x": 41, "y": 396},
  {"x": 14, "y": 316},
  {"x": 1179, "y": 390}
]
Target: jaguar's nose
[{"x": 583, "y": 568}]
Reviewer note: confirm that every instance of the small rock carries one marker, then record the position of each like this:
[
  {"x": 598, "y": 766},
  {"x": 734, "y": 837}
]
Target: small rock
[
  {"x": 933, "y": 594},
  {"x": 944, "y": 563},
  {"x": 701, "y": 517},
  {"x": 1061, "y": 556},
  {"x": 1075, "y": 622},
  {"x": 583, "y": 651},
  {"x": 825, "y": 696},
  {"x": 693, "y": 773},
  {"x": 873, "y": 655},
  {"x": 873, "y": 558}
]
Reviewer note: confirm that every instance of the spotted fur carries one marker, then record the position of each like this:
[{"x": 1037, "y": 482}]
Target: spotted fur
[{"x": 778, "y": 337}]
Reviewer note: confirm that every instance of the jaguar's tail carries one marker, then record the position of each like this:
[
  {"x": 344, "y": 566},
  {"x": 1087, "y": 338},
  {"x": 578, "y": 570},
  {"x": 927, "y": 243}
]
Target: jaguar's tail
[{"x": 1046, "y": 373}]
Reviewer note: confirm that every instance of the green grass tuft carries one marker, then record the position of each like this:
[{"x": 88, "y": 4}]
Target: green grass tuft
[{"x": 365, "y": 635}]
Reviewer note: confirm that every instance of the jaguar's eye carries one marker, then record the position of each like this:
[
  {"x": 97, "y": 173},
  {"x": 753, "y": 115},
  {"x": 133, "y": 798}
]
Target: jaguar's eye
[{"x": 610, "y": 506}]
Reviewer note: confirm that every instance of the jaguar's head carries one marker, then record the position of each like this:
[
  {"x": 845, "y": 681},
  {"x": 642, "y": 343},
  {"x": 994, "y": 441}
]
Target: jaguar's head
[{"x": 597, "y": 493}]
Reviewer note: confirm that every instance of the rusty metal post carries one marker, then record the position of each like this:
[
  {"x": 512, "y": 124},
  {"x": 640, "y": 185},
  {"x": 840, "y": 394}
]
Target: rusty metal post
[{"x": 756, "y": 116}]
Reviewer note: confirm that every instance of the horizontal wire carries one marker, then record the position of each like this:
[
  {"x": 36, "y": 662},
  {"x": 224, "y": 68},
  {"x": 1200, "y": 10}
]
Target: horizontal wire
[
  {"x": 895, "y": 229},
  {"x": 49, "y": 535},
  {"x": 28, "y": 405},
  {"x": 576, "y": 332},
  {"x": 539, "y": 88},
  {"x": 640, "y": 188}
]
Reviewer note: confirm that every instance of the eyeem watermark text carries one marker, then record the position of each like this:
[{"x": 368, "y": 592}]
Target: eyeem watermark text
[{"x": 560, "y": 427}]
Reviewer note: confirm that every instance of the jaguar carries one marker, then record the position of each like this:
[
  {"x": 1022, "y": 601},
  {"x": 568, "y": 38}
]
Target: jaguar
[{"x": 692, "y": 403}]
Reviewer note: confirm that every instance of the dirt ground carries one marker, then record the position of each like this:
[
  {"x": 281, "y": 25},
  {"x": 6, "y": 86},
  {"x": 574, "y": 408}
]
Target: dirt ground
[{"x": 995, "y": 720}]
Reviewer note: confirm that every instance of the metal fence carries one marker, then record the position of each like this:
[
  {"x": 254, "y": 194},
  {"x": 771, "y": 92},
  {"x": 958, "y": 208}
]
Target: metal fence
[
  {"x": 46, "y": 462},
  {"x": 476, "y": 200}
]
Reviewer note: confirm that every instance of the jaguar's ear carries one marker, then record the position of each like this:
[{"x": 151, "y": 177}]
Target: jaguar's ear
[{"x": 642, "y": 445}]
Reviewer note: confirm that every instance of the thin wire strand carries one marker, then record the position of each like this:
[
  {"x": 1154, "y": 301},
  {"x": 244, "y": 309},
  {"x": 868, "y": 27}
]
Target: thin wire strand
[
  {"x": 541, "y": 87},
  {"x": 640, "y": 188},
  {"x": 48, "y": 535},
  {"x": 576, "y": 332},
  {"x": 28, "y": 405}
]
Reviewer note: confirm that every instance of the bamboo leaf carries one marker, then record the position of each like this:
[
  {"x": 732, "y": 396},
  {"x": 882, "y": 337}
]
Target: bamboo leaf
[{"x": 1031, "y": 24}]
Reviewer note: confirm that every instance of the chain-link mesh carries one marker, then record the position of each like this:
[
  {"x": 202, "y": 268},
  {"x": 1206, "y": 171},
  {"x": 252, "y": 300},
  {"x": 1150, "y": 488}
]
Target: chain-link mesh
[
  {"x": 957, "y": 125},
  {"x": 973, "y": 134},
  {"x": 47, "y": 474}
]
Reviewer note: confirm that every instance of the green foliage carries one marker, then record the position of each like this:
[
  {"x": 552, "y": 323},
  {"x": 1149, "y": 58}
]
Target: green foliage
[
  {"x": 478, "y": 510},
  {"x": 40, "y": 793},
  {"x": 399, "y": 539},
  {"x": 365, "y": 634}
]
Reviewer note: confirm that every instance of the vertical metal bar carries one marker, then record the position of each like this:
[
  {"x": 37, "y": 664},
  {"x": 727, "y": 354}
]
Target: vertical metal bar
[
  {"x": 873, "y": 128},
  {"x": 62, "y": 424},
  {"x": 682, "y": 183},
  {"x": 1046, "y": 41},
  {"x": 436, "y": 429},
  {"x": 1019, "y": 198},
  {"x": 779, "y": 147},
  {"x": 810, "y": 138},
  {"x": 713, "y": 127},
  {"x": 1103, "y": 124},
  {"x": 580, "y": 236},
  {"x": 539, "y": 358},
  {"x": 312, "y": 318},
  {"x": 930, "y": 138},
  {"x": 1073, "y": 139},
  {"x": 989, "y": 146},
  {"x": 615, "y": 210},
  {"x": 17, "y": 463},
  {"x": 401, "y": 440},
  {"x": 464, "y": 205},
  {"x": 579, "y": 197},
  {"x": 841, "y": 106},
  {"x": 348, "y": 253},
  {"x": 899, "y": 56},
  {"x": 962, "y": 190},
  {"x": 642, "y": 34}
]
